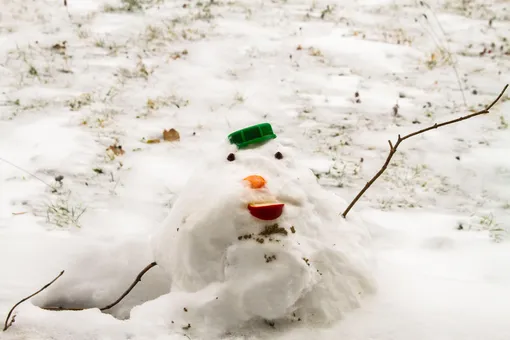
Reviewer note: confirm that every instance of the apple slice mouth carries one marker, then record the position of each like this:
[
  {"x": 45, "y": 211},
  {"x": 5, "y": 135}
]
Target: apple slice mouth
[{"x": 266, "y": 211}]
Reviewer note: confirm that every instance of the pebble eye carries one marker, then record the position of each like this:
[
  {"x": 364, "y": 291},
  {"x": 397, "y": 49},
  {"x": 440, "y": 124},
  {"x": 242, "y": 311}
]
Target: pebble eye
[
  {"x": 231, "y": 157},
  {"x": 278, "y": 155}
]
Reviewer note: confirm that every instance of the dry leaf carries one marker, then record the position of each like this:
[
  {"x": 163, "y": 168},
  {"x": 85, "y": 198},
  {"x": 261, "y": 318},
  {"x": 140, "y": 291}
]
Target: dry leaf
[
  {"x": 299, "y": 48},
  {"x": 178, "y": 55},
  {"x": 60, "y": 47},
  {"x": 116, "y": 149},
  {"x": 171, "y": 135},
  {"x": 315, "y": 52},
  {"x": 153, "y": 141},
  {"x": 151, "y": 104}
]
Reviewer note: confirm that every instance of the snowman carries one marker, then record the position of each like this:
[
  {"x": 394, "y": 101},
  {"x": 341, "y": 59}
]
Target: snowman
[{"x": 255, "y": 231}]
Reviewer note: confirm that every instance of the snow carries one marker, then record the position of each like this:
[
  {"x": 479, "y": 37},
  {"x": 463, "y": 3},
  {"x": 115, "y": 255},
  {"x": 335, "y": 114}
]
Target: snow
[{"x": 438, "y": 218}]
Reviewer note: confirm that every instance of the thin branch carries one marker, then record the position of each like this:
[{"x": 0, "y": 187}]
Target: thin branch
[
  {"x": 31, "y": 174},
  {"x": 138, "y": 279},
  {"x": 8, "y": 324},
  {"x": 13, "y": 319},
  {"x": 393, "y": 148}
]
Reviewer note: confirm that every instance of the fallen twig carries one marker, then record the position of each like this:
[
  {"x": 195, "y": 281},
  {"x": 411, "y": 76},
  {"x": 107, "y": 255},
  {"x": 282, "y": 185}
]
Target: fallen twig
[
  {"x": 13, "y": 319},
  {"x": 9, "y": 323},
  {"x": 393, "y": 148},
  {"x": 138, "y": 279}
]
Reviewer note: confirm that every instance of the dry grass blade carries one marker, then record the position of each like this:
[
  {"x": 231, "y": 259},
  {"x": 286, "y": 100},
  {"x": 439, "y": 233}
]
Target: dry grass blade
[{"x": 393, "y": 148}]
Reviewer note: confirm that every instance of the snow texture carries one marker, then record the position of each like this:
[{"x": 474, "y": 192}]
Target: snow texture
[{"x": 339, "y": 79}]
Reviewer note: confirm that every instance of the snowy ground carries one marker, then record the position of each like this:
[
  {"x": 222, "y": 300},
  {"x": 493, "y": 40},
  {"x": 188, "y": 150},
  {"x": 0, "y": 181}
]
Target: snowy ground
[{"x": 329, "y": 74}]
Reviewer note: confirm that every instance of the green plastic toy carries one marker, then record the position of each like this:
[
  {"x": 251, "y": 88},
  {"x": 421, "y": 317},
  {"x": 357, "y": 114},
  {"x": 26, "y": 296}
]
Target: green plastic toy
[{"x": 252, "y": 135}]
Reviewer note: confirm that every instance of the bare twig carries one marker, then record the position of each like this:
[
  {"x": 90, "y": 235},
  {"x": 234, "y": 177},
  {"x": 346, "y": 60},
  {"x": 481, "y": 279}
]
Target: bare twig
[
  {"x": 138, "y": 279},
  {"x": 13, "y": 319},
  {"x": 393, "y": 148},
  {"x": 9, "y": 323},
  {"x": 31, "y": 174}
]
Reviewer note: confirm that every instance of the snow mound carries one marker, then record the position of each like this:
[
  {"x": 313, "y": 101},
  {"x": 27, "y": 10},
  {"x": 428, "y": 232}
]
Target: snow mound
[
  {"x": 100, "y": 272},
  {"x": 309, "y": 264}
]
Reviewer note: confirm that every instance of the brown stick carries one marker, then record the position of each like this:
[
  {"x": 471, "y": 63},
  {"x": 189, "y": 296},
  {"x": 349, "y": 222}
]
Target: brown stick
[
  {"x": 7, "y": 323},
  {"x": 393, "y": 149},
  {"x": 138, "y": 279}
]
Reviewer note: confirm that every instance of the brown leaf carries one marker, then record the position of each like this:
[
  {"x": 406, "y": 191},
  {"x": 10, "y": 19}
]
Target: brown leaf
[
  {"x": 178, "y": 55},
  {"x": 171, "y": 135},
  {"x": 299, "y": 48},
  {"x": 60, "y": 47},
  {"x": 116, "y": 149}
]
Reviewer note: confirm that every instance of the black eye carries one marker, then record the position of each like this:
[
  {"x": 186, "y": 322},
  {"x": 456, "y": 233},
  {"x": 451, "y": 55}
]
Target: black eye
[
  {"x": 231, "y": 157},
  {"x": 278, "y": 155}
]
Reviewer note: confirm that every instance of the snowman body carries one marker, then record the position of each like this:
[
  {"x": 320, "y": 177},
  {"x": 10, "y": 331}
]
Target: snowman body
[{"x": 256, "y": 224}]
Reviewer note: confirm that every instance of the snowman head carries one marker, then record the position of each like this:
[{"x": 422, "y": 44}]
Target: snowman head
[
  {"x": 251, "y": 180},
  {"x": 265, "y": 171}
]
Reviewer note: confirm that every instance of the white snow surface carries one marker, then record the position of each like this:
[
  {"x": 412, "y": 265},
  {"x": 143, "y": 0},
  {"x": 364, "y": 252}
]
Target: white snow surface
[{"x": 427, "y": 245}]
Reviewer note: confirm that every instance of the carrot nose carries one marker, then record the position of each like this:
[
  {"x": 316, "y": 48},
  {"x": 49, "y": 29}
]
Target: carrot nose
[{"x": 256, "y": 181}]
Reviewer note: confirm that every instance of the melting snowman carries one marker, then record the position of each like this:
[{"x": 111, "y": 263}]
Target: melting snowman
[{"x": 253, "y": 236}]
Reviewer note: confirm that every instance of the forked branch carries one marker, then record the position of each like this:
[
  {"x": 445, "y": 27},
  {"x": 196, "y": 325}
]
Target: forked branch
[{"x": 393, "y": 148}]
